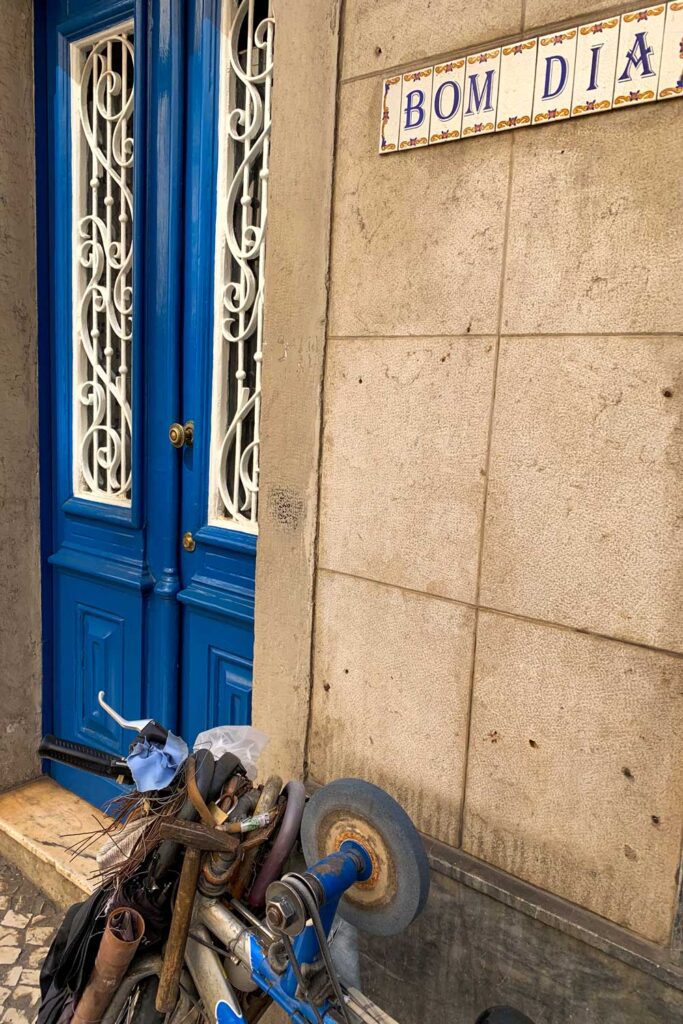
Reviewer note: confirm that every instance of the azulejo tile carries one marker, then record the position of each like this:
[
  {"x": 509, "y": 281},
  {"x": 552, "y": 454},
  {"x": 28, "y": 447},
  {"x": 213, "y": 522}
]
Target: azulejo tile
[
  {"x": 597, "y": 46},
  {"x": 416, "y": 105},
  {"x": 640, "y": 54},
  {"x": 671, "y": 71},
  {"x": 447, "y": 102},
  {"x": 554, "y": 76},
  {"x": 516, "y": 91},
  {"x": 391, "y": 114},
  {"x": 482, "y": 73}
]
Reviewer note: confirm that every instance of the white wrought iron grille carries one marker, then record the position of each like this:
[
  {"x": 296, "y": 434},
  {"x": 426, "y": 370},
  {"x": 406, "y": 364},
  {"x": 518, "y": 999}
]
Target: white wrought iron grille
[
  {"x": 102, "y": 70},
  {"x": 241, "y": 213}
]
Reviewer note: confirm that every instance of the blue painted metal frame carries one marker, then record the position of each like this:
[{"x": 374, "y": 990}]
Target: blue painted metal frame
[
  {"x": 122, "y": 562},
  {"x": 218, "y": 577},
  {"x": 333, "y": 875}
]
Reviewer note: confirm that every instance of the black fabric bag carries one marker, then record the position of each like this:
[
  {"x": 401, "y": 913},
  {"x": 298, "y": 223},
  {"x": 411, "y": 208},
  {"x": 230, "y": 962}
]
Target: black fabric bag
[{"x": 71, "y": 956}]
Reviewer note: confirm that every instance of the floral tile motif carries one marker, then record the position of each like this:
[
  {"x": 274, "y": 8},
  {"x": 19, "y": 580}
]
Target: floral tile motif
[
  {"x": 640, "y": 54},
  {"x": 516, "y": 91},
  {"x": 482, "y": 74},
  {"x": 391, "y": 114},
  {"x": 671, "y": 71},
  {"x": 416, "y": 103},
  {"x": 447, "y": 101},
  {"x": 554, "y": 76},
  {"x": 597, "y": 47}
]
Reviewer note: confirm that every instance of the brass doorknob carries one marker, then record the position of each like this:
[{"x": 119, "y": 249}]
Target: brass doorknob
[
  {"x": 181, "y": 434},
  {"x": 189, "y": 541}
]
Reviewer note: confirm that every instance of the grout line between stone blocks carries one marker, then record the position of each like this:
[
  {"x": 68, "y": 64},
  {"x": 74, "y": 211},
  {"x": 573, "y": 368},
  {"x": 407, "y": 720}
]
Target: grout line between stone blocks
[{"x": 482, "y": 524}]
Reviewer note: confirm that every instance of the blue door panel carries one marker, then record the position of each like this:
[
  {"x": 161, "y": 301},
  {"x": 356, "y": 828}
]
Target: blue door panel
[
  {"x": 216, "y": 671},
  {"x": 98, "y": 646}
]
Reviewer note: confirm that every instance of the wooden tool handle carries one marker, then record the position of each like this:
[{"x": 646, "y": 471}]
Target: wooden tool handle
[{"x": 174, "y": 954}]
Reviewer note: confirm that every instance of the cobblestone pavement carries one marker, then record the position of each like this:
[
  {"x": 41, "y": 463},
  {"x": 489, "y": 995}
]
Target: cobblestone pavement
[{"x": 27, "y": 923}]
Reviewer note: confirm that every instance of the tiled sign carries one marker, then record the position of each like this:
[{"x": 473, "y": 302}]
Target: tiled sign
[{"x": 608, "y": 64}]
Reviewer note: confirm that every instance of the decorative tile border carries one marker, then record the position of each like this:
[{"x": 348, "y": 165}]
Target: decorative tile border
[{"x": 611, "y": 63}]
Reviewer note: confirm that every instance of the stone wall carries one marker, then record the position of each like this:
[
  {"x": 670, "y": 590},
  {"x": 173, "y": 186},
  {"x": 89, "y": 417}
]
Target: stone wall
[
  {"x": 20, "y": 636},
  {"x": 498, "y": 634}
]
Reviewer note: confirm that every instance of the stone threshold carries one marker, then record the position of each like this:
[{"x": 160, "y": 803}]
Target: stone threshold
[{"x": 40, "y": 822}]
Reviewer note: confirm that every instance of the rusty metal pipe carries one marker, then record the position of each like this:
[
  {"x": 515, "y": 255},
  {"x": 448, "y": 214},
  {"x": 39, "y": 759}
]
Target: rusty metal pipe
[{"x": 122, "y": 934}]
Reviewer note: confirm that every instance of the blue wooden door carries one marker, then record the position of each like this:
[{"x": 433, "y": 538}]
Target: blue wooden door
[
  {"x": 155, "y": 309},
  {"x": 228, "y": 121}
]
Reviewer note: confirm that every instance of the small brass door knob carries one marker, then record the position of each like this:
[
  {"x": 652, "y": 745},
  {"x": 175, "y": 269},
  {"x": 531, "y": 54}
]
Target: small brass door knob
[
  {"x": 189, "y": 541},
  {"x": 180, "y": 434}
]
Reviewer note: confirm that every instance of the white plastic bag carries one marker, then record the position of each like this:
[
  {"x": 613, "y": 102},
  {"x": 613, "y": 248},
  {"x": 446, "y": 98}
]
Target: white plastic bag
[{"x": 243, "y": 741}]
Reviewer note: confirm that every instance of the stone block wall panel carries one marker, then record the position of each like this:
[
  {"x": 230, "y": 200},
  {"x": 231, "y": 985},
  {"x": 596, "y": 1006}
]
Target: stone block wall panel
[
  {"x": 402, "y": 486},
  {"x": 594, "y": 242},
  {"x": 391, "y": 695},
  {"x": 383, "y": 33},
  {"x": 583, "y": 516},
  {"x": 574, "y": 780},
  {"x": 417, "y": 242}
]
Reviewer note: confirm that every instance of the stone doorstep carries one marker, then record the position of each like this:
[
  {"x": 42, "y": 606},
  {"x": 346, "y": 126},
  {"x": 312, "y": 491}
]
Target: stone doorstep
[{"x": 39, "y": 823}]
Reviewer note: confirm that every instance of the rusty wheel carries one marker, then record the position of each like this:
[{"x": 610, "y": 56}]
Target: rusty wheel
[{"x": 397, "y": 890}]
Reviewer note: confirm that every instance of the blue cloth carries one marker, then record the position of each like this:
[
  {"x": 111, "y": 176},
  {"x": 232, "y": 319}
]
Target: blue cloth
[{"x": 154, "y": 766}]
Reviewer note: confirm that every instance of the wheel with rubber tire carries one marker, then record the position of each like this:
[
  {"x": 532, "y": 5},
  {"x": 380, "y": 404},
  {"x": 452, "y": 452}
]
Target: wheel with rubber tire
[
  {"x": 503, "y": 1015},
  {"x": 396, "y": 892}
]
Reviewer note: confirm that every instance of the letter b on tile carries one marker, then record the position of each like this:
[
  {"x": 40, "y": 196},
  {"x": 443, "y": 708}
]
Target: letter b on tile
[{"x": 415, "y": 109}]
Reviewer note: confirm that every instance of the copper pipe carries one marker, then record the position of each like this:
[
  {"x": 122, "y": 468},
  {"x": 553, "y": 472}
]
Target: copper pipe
[
  {"x": 174, "y": 954},
  {"x": 122, "y": 934}
]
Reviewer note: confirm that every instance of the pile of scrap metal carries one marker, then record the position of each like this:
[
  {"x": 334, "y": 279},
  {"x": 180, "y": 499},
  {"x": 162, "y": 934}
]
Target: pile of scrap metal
[{"x": 194, "y": 823}]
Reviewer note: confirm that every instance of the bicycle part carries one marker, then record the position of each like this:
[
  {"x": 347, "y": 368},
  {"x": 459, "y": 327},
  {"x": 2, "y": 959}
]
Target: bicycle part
[
  {"x": 88, "y": 759},
  {"x": 174, "y": 953},
  {"x": 240, "y": 941},
  {"x": 195, "y": 796},
  {"x": 266, "y": 802},
  {"x": 147, "y": 727},
  {"x": 225, "y": 767},
  {"x": 397, "y": 889},
  {"x": 308, "y": 898},
  {"x": 141, "y": 970},
  {"x": 503, "y": 1015},
  {"x": 283, "y": 845},
  {"x": 208, "y": 975}
]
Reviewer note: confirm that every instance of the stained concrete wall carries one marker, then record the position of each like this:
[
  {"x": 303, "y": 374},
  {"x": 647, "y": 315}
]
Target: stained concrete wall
[
  {"x": 498, "y": 628},
  {"x": 20, "y": 628}
]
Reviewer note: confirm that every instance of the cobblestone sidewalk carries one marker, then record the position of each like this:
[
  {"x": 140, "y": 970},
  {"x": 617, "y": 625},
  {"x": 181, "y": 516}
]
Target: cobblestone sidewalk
[{"x": 27, "y": 923}]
